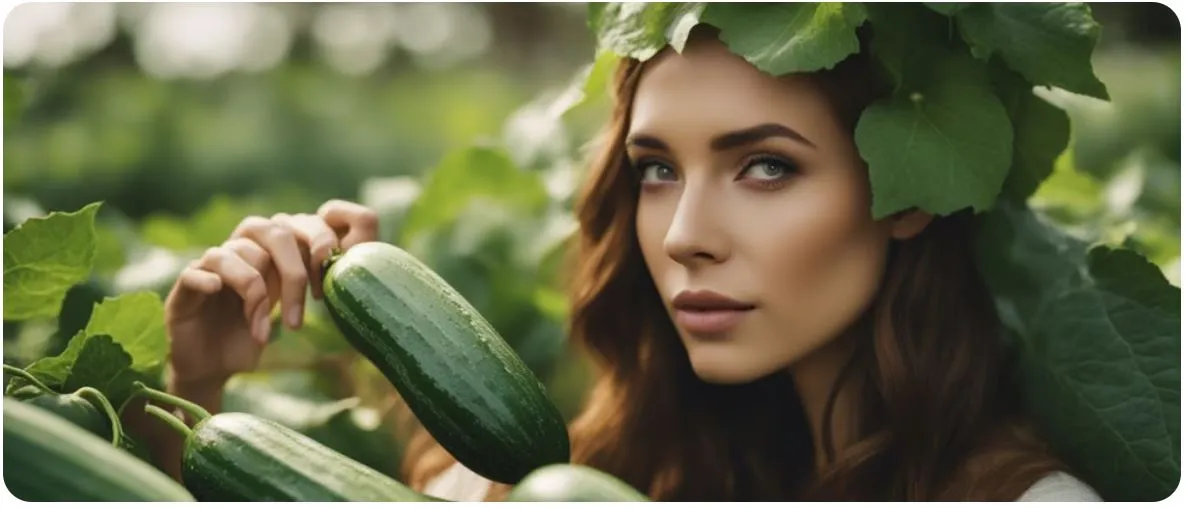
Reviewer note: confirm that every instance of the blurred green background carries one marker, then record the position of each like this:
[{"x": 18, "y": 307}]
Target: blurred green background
[{"x": 185, "y": 118}]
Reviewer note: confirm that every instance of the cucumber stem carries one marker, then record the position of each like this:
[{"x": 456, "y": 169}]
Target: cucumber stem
[
  {"x": 335, "y": 254},
  {"x": 194, "y": 410},
  {"x": 21, "y": 373},
  {"x": 96, "y": 396},
  {"x": 169, "y": 420}
]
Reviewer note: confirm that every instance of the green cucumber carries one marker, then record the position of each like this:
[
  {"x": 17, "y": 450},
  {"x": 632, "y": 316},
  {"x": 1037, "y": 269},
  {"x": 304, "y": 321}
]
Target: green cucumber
[
  {"x": 242, "y": 457},
  {"x": 573, "y": 482},
  {"x": 74, "y": 407},
  {"x": 464, "y": 383},
  {"x": 47, "y": 458}
]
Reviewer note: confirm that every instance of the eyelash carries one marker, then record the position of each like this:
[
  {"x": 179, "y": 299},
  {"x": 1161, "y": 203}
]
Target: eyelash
[{"x": 790, "y": 169}]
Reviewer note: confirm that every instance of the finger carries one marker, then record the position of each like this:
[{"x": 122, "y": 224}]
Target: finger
[
  {"x": 286, "y": 256},
  {"x": 312, "y": 231},
  {"x": 247, "y": 282},
  {"x": 257, "y": 256},
  {"x": 252, "y": 252},
  {"x": 354, "y": 223},
  {"x": 200, "y": 281},
  {"x": 191, "y": 289}
]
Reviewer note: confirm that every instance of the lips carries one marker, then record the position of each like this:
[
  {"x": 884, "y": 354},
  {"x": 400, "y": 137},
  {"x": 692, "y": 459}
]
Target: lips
[{"x": 707, "y": 312}]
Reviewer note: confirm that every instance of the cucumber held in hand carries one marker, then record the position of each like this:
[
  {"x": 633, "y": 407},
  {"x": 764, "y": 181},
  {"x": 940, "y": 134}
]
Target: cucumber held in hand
[
  {"x": 572, "y": 482},
  {"x": 242, "y": 457},
  {"x": 464, "y": 383},
  {"x": 47, "y": 458}
]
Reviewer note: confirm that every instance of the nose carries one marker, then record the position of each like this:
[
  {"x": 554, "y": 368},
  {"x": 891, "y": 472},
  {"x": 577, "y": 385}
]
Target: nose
[{"x": 695, "y": 236}]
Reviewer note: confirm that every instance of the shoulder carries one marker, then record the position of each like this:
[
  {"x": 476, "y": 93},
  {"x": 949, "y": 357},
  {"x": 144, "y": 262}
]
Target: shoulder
[
  {"x": 1060, "y": 486},
  {"x": 458, "y": 484}
]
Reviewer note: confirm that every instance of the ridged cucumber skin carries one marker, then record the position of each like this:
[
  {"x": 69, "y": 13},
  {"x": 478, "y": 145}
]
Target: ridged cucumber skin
[
  {"x": 464, "y": 383},
  {"x": 242, "y": 457},
  {"x": 571, "y": 482},
  {"x": 47, "y": 458}
]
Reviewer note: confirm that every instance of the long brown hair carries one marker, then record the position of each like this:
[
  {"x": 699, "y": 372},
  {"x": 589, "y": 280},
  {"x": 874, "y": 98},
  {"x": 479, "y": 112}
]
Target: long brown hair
[{"x": 936, "y": 420}]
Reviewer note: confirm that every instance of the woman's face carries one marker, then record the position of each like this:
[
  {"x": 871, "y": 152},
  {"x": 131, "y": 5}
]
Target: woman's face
[{"x": 750, "y": 189}]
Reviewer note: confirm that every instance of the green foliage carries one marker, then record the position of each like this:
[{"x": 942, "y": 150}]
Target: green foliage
[
  {"x": 1041, "y": 133},
  {"x": 780, "y": 38},
  {"x": 1098, "y": 335},
  {"x": 43, "y": 258},
  {"x": 942, "y": 141},
  {"x": 466, "y": 175},
  {"x": 641, "y": 30},
  {"x": 123, "y": 342},
  {"x": 943, "y": 148},
  {"x": 1049, "y": 43}
]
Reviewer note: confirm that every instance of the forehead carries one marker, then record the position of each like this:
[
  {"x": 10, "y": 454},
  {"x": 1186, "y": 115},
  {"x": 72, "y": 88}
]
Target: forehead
[{"x": 710, "y": 88}]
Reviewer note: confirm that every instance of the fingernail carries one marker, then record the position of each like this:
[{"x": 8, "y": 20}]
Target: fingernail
[{"x": 294, "y": 316}]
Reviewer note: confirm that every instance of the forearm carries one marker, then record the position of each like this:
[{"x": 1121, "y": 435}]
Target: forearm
[{"x": 165, "y": 443}]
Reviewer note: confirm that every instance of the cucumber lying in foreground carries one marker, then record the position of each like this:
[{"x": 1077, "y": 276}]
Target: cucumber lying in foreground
[
  {"x": 47, "y": 458},
  {"x": 464, "y": 383},
  {"x": 571, "y": 482},
  {"x": 241, "y": 457}
]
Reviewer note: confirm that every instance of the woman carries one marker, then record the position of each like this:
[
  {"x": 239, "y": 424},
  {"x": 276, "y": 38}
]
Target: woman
[{"x": 760, "y": 336}]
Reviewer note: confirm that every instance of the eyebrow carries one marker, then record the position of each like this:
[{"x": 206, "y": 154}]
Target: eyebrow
[{"x": 730, "y": 140}]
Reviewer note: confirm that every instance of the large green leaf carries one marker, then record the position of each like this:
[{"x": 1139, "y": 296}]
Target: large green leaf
[
  {"x": 1041, "y": 133},
  {"x": 942, "y": 146},
  {"x": 781, "y": 38},
  {"x": 43, "y": 258},
  {"x": 908, "y": 40},
  {"x": 137, "y": 323},
  {"x": 1098, "y": 335},
  {"x": 641, "y": 30},
  {"x": 1049, "y": 43},
  {"x": 105, "y": 366}
]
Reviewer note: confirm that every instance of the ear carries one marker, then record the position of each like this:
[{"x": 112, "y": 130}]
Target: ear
[{"x": 907, "y": 224}]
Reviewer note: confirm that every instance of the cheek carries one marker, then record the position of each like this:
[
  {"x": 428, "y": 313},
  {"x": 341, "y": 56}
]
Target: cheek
[
  {"x": 651, "y": 227},
  {"x": 823, "y": 264}
]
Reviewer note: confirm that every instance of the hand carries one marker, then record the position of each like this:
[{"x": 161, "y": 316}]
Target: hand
[{"x": 218, "y": 314}]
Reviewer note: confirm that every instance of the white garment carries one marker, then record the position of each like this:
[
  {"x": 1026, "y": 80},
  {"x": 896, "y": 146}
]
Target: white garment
[
  {"x": 1060, "y": 487},
  {"x": 460, "y": 484}
]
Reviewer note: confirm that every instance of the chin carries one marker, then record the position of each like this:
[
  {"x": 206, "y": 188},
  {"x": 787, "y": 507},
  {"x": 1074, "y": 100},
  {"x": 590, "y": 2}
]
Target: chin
[{"x": 726, "y": 366}]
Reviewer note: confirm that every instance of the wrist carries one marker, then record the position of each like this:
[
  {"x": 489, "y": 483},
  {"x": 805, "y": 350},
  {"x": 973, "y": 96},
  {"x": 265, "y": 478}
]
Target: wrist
[{"x": 196, "y": 385}]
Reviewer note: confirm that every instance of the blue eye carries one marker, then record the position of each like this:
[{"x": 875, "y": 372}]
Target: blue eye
[
  {"x": 766, "y": 168},
  {"x": 654, "y": 170}
]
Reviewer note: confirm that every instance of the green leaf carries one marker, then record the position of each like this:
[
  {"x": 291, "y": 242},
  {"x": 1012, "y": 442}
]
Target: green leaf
[
  {"x": 105, "y": 366},
  {"x": 1049, "y": 43},
  {"x": 781, "y": 38},
  {"x": 942, "y": 147},
  {"x": 907, "y": 40},
  {"x": 137, "y": 323},
  {"x": 1098, "y": 329},
  {"x": 641, "y": 30},
  {"x": 1041, "y": 133},
  {"x": 465, "y": 176},
  {"x": 133, "y": 321},
  {"x": 43, "y": 258}
]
